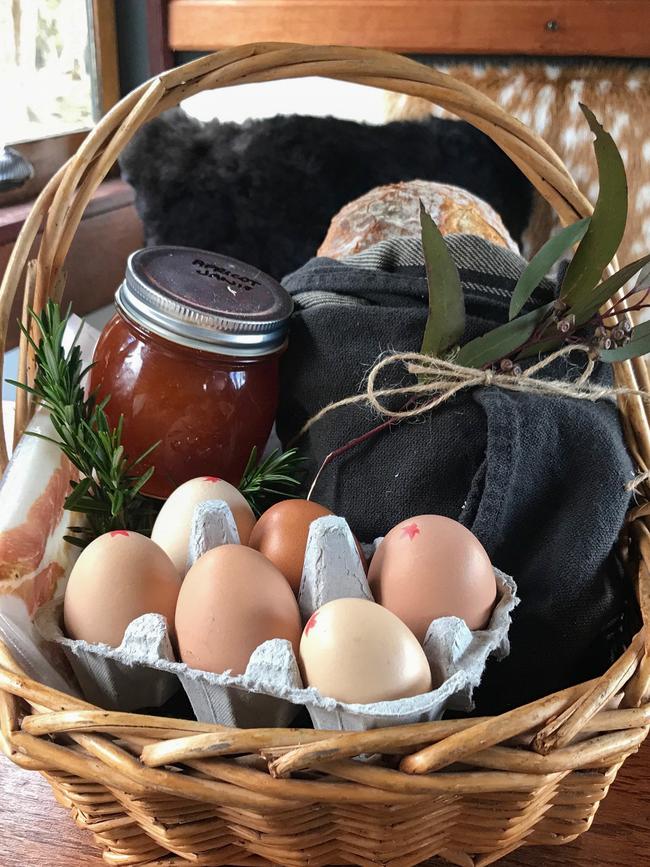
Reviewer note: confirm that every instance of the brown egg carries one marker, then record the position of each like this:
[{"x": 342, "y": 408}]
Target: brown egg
[
  {"x": 174, "y": 522},
  {"x": 118, "y": 577},
  {"x": 232, "y": 600},
  {"x": 355, "y": 651},
  {"x": 281, "y": 535},
  {"x": 429, "y": 567}
]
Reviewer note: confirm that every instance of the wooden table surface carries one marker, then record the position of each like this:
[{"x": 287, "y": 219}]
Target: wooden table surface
[{"x": 36, "y": 832}]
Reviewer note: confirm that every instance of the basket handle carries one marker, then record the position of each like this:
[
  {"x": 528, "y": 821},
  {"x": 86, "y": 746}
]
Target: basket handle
[
  {"x": 59, "y": 208},
  {"x": 258, "y": 63}
]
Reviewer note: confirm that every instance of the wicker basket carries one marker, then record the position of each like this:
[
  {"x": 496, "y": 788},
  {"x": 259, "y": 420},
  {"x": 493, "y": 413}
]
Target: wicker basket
[{"x": 162, "y": 791}]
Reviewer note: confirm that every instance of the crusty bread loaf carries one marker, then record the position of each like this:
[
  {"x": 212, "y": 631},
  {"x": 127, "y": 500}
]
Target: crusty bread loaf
[{"x": 394, "y": 211}]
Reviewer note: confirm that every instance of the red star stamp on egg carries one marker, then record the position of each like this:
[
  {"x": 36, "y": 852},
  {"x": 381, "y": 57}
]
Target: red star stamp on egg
[
  {"x": 411, "y": 530},
  {"x": 211, "y": 479},
  {"x": 311, "y": 622},
  {"x": 119, "y": 533}
]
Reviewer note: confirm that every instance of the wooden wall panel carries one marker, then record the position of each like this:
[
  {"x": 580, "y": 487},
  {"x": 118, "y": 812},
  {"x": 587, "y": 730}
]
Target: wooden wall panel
[
  {"x": 105, "y": 39},
  {"x": 543, "y": 27}
]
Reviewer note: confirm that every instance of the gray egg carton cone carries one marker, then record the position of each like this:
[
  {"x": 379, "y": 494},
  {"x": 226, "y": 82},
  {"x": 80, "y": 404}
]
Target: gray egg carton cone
[
  {"x": 270, "y": 692},
  {"x": 123, "y": 678}
]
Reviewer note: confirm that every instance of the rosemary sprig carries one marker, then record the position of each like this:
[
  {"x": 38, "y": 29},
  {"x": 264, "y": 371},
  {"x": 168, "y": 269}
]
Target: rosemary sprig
[
  {"x": 274, "y": 478},
  {"x": 108, "y": 493}
]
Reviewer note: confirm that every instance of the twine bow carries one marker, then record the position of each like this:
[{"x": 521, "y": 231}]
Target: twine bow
[{"x": 438, "y": 380}]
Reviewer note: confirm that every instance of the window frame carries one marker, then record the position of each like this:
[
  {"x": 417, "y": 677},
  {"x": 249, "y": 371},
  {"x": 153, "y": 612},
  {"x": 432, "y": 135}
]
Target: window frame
[{"x": 49, "y": 153}]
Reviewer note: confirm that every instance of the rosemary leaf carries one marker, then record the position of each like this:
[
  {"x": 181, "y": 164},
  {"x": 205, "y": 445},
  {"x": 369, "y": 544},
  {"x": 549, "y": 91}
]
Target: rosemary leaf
[
  {"x": 274, "y": 478},
  {"x": 109, "y": 492}
]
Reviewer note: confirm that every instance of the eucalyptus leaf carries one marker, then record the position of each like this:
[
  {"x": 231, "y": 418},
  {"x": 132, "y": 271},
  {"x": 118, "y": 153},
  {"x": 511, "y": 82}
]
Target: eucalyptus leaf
[
  {"x": 543, "y": 261},
  {"x": 540, "y": 347},
  {"x": 503, "y": 340},
  {"x": 446, "y": 320},
  {"x": 601, "y": 294},
  {"x": 643, "y": 279},
  {"x": 602, "y": 239},
  {"x": 639, "y": 345}
]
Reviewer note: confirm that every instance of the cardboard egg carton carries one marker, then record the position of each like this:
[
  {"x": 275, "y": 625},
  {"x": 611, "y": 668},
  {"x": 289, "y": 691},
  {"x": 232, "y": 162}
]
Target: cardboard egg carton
[{"x": 271, "y": 692}]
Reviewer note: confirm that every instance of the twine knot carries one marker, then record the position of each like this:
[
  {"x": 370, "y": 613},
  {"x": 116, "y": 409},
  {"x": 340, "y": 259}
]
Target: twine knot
[
  {"x": 438, "y": 379},
  {"x": 638, "y": 481}
]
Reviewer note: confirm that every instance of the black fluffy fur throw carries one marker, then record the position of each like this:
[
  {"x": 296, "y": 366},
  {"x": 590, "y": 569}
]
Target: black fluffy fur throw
[{"x": 265, "y": 191}]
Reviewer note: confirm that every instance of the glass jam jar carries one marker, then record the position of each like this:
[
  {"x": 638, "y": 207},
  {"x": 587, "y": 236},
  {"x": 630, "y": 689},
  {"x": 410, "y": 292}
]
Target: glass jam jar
[{"x": 191, "y": 358}]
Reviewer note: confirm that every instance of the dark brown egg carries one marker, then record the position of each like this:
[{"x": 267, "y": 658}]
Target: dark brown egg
[{"x": 281, "y": 535}]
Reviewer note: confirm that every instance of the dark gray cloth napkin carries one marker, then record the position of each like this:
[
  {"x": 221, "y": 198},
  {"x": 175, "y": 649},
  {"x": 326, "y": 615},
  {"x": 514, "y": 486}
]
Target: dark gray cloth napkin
[{"x": 540, "y": 480}]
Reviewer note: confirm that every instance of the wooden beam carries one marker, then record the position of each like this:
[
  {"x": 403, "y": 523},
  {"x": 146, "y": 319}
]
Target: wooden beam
[
  {"x": 160, "y": 52},
  {"x": 105, "y": 39},
  {"x": 617, "y": 28}
]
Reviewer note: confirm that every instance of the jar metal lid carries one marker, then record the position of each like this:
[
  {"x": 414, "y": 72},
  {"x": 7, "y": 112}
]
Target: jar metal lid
[{"x": 205, "y": 301}]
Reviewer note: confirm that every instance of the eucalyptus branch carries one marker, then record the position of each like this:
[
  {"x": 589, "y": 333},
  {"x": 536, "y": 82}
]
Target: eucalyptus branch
[{"x": 582, "y": 294}]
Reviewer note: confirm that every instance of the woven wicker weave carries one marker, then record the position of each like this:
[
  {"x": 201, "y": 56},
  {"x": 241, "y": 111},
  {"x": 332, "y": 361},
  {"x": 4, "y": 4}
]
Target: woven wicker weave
[{"x": 162, "y": 791}]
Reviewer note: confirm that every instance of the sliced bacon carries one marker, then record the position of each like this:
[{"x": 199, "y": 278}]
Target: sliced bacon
[
  {"x": 22, "y": 547},
  {"x": 39, "y": 589},
  {"x": 33, "y": 520}
]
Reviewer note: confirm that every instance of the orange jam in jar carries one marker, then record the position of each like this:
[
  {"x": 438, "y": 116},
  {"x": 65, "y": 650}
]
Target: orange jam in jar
[{"x": 191, "y": 359}]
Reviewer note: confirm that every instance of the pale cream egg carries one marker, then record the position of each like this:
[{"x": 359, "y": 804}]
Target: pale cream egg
[
  {"x": 355, "y": 651},
  {"x": 174, "y": 522}
]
